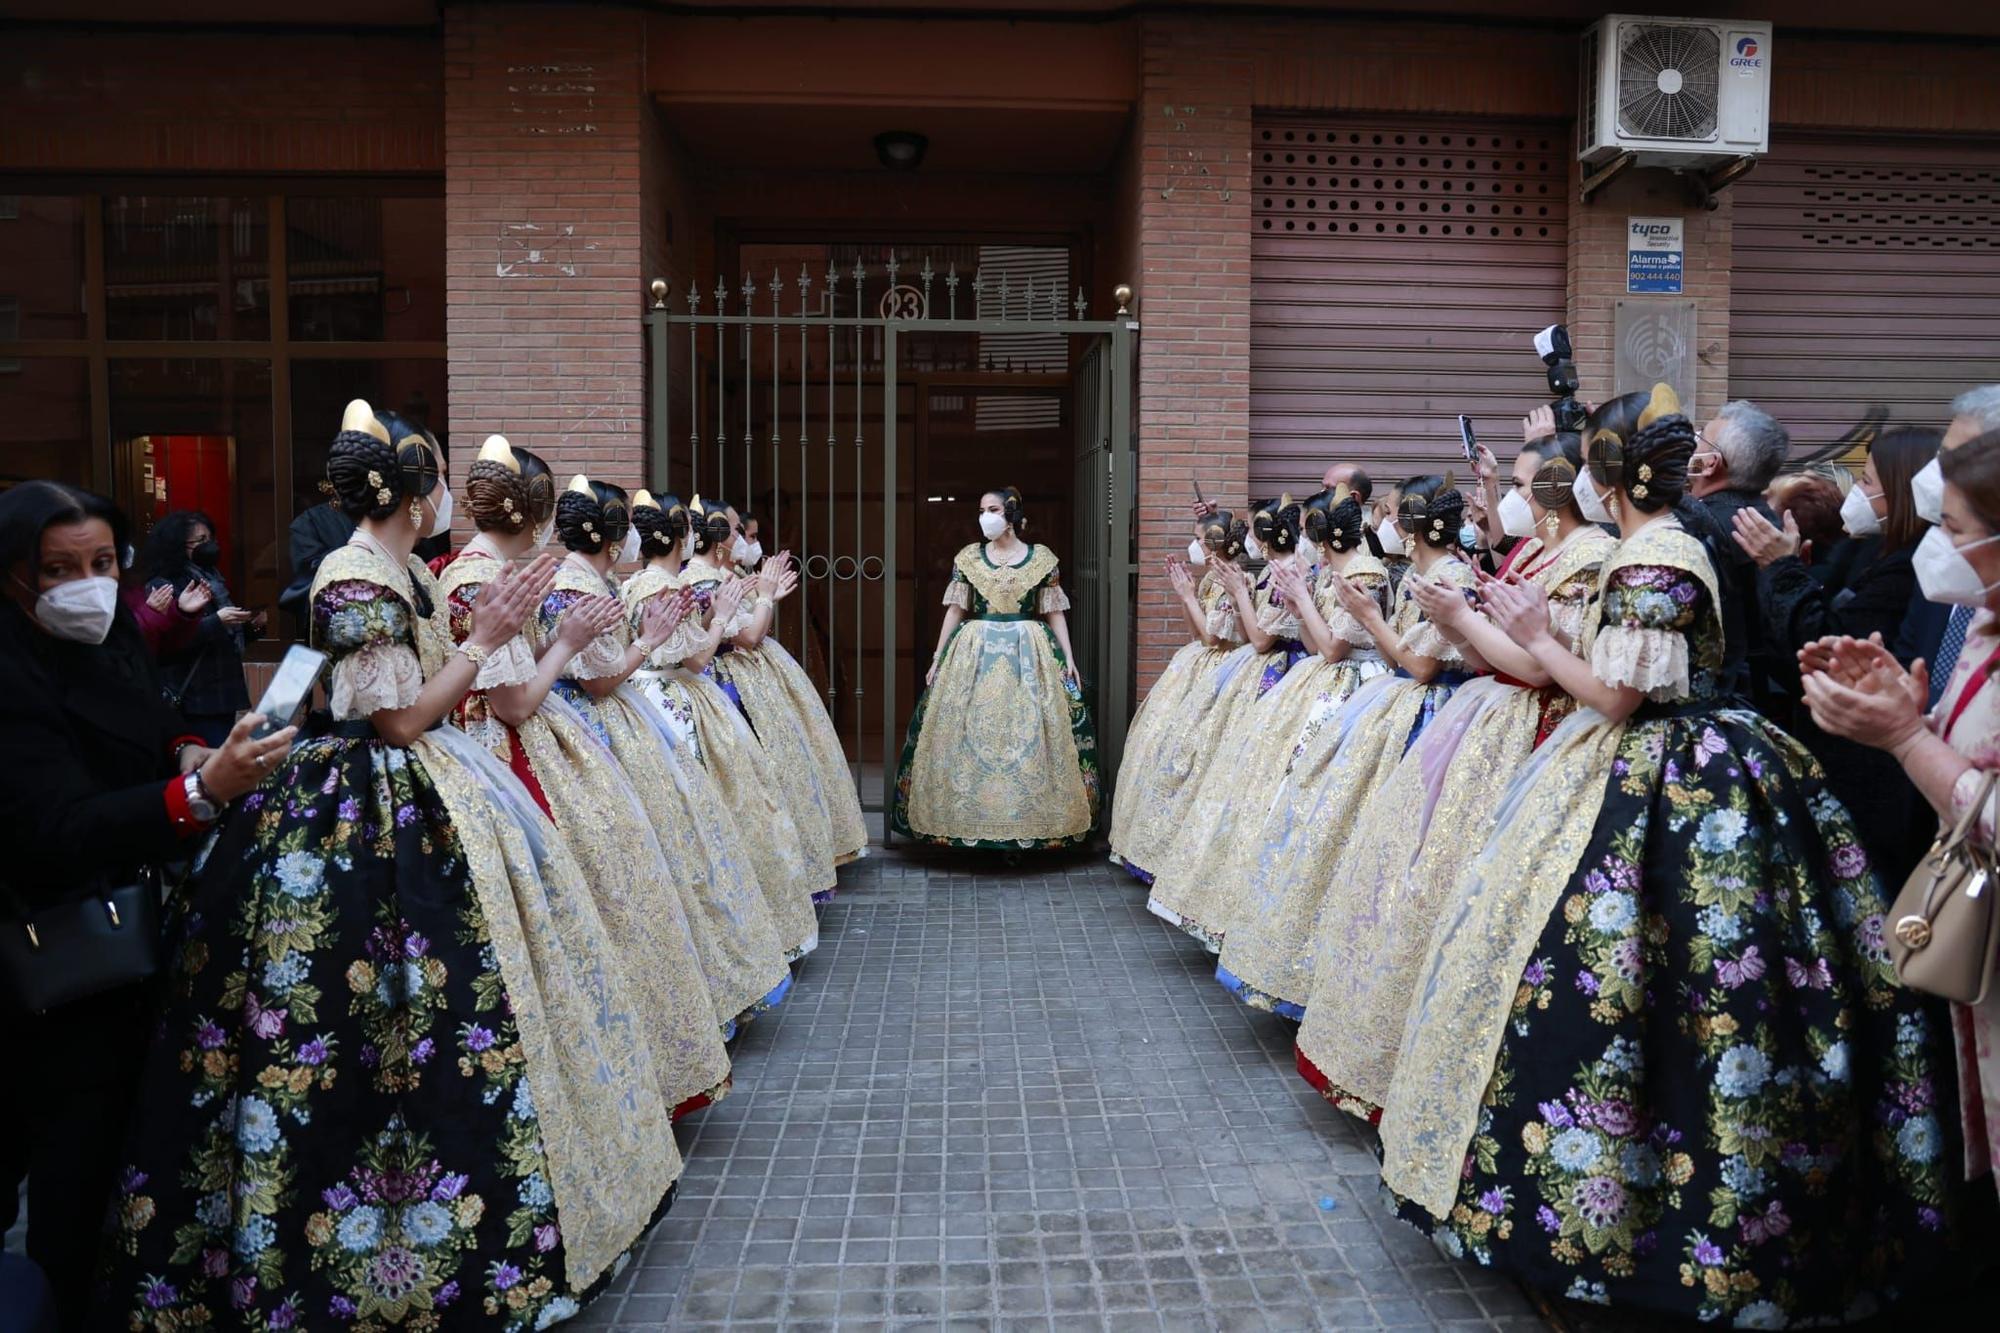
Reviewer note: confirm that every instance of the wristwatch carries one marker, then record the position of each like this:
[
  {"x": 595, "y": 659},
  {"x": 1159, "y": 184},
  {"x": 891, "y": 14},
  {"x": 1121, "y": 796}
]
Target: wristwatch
[{"x": 200, "y": 804}]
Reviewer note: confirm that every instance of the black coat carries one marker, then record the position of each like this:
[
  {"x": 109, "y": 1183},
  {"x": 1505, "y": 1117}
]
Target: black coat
[
  {"x": 1747, "y": 652},
  {"x": 206, "y": 673},
  {"x": 1875, "y": 600},
  {"x": 85, "y": 757}
]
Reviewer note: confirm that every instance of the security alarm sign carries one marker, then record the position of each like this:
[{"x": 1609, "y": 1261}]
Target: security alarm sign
[{"x": 1653, "y": 256}]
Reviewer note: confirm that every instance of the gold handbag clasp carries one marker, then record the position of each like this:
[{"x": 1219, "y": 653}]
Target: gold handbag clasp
[{"x": 1914, "y": 932}]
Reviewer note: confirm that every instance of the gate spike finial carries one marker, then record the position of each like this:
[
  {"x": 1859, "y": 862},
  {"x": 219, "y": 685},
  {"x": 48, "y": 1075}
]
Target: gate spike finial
[
  {"x": 694, "y": 298},
  {"x": 889, "y": 268},
  {"x": 1006, "y": 302},
  {"x": 832, "y": 287},
  {"x": 749, "y": 292},
  {"x": 1029, "y": 300},
  {"x": 860, "y": 275},
  {"x": 721, "y": 295},
  {"x": 951, "y": 287},
  {"x": 1082, "y": 304},
  {"x": 978, "y": 292}
]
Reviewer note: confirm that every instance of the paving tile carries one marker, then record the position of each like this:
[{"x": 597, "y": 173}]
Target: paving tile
[{"x": 1008, "y": 1098}]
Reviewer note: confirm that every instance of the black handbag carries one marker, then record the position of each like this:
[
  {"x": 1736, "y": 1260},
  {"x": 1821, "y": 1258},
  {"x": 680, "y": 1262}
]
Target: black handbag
[{"x": 91, "y": 944}]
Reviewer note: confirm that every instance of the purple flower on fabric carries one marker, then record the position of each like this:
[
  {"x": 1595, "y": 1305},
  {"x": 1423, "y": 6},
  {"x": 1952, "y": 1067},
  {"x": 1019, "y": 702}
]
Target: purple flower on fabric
[
  {"x": 254, "y": 801},
  {"x": 160, "y": 1294},
  {"x": 478, "y": 1038},
  {"x": 1537, "y": 973},
  {"x": 1596, "y": 881},
  {"x": 1849, "y": 861},
  {"x": 1493, "y": 1201},
  {"x": 284, "y": 1316},
  {"x": 132, "y": 1179},
  {"x": 416, "y": 946},
  {"x": 1733, "y": 973},
  {"x": 1930, "y": 1219},
  {"x": 545, "y": 1238},
  {"x": 339, "y": 1198},
  {"x": 1556, "y": 1114},
  {"x": 209, "y": 1036},
  {"x": 1615, "y": 1118},
  {"x": 448, "y": 1188},
  {"x": 422, "y": 1052},
  {"x": 1707, "y": 1253},
  {"x": 349, "y": 810},
  {"x": 1546, "y": 1216},
  {"x": 340, "y": 1307},
  {"x": 445, "y": 1295},
  {"x": 243, "y": 1292},
  {"x": 505, "y": 1275},
  {"x": 370, "y": 1057},
  {"x": 406, "y": 815},
  {"x": 214, "y": 1263},
  {"x": 314, "y": 1052},
  {"x": 1587, "y": 982}
]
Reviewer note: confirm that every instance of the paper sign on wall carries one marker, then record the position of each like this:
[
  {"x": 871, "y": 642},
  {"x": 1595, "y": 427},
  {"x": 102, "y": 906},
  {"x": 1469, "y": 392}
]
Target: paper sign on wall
[{"x": 1653, "y": 255}]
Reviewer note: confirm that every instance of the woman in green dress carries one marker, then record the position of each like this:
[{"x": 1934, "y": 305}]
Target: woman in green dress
[{"x": 1000, "y": 751}]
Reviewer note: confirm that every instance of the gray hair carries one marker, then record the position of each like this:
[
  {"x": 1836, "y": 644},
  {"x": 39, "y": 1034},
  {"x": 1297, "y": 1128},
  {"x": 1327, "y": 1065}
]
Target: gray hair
[
  {"x": 1982, "y": 405},
  {"x": 1755, "y": 446}
]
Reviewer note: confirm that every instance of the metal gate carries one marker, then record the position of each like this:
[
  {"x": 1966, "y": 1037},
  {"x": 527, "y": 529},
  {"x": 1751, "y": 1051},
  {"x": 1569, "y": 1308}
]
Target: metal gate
[{"x": 798, "y": 397}]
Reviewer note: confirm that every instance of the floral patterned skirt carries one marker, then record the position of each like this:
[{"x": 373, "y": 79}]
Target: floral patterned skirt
[
  {"x": 1000, "y": 752},
  {"x": 1150, "y": 740},
  {"x": 776, "y": 693},
  {"x": 1710, "y": 1097},
  {"x": 381, "y": 1091}
]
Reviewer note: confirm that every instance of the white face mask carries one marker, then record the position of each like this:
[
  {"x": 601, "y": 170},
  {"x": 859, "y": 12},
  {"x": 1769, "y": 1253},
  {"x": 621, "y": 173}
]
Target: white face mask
[
  {"x": 441, "y": 501},
  {"x": 687, "y": 544},
  {"x": 1517, "y": 516},
  {"x": 1927, "y": 489},
  {"x": 543, "y": 533},
  {"x": 1945, "y": 574},
  {"x": 80, "y": 610},
  {"x": 628, "y": 550},
  {"x": 1252, "y": 547},
  {"x": 1857, "y": 513},
  {"x": 1197, "y": 553},
  {"x": 749, "y": 553},
  {"x": 1588, "y": 500},
  {"x": 992, "y": 524},
  {"x": 1392, "y": 540},
  {"x": 1468, "y": 536}
]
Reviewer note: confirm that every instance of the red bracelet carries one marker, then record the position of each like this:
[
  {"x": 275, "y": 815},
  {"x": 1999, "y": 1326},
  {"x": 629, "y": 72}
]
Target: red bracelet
[
  {"x": 179, "y": 743},
  {"x": 178, "y": 812}
]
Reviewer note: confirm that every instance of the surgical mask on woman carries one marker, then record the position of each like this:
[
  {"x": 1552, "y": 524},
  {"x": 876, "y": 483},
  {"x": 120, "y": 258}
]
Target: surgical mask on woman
[
  {"x": 1468, "y": 536},
  {"x": 1588, "y": 501},
  {"x": 80, "y": 610},
  {"x": 1197, "y": 553},
  {"x": 205, "y": 553},
  {"x": 1927, "y": 489},
  {"x": 749, "y": 553},
  {"x": 442, "y": 523},
  {"x": 1857, "y": 513},
  {"x": 1252, "y": 547},
  {"x": 1392, "y": 540},
  {"x": 992, "y": 524},
  {"x": 1945, "y": 574},
  {"x": 1517, "y": 517},
  {"x": 628, "y": 550}
]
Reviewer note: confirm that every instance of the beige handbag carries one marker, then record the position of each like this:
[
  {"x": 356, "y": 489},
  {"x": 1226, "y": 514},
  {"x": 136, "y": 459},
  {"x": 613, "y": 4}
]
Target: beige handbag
[{"x": 1946, "y": 933}]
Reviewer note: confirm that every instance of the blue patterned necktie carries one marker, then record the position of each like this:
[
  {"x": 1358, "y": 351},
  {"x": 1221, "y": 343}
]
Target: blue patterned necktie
[{"x": 1950, "y": 645}]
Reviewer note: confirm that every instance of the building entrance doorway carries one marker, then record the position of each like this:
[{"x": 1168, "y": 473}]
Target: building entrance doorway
[{"x": 857, "y": 408}]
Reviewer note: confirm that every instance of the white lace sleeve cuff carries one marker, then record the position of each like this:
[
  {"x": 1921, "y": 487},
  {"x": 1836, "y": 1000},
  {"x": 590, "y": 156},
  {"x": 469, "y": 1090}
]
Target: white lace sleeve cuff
[
  {"x": 1349, "y": 630},
  {"x": 1053, "y": 598},
  {"x": 1427, "y": 640},
  {"x": 603, "y": 656},
  {"x": 1570, "y": 617},
  {"x": 381, "y": 675},
  {"x": 679, "y": 645},
  {"x": 958, "y": 593},
  {"x": 1652, "y": 661},
  {"x": 513, "y": 663},
  {"x": 1222, "y": 624}
]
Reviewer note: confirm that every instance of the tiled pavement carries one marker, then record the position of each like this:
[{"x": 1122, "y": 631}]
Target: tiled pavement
[{"x": 1011, "y": 1099}]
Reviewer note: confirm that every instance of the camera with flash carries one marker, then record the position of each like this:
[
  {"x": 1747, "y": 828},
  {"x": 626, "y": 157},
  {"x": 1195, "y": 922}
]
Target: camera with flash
[{"x": 1552, "y": 345}]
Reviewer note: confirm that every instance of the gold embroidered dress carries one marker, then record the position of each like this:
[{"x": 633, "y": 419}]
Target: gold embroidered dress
[
  {"x": 1658, "y": 1059},
  {"x": 1390, "y": 887},
  {"x": 1000, "y": 751},
  {"x": 1203, "y": 865},
  {"x": 735, "y": 761},
  {"x": 788, "y": 715},
  {"x": 1288, "y": 858},
  {"x": 1159, "y": 752},
  {"x": 1214, "y": 704},
  {"x": 399, "y": 1076},
  {"x": 741, "y": 958}
]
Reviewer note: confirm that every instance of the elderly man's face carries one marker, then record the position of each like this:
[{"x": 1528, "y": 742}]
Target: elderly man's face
[
  {"x": 1959, "y": 431},
  {"x": 1337, "y": 474}
]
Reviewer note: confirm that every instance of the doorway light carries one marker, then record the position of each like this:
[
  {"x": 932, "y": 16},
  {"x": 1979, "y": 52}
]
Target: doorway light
[{"x": 901, "y": 150}]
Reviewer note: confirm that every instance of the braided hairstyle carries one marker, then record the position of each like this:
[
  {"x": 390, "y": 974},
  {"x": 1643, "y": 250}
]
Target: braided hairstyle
[
  {"x": 1339, "y": 524},
  {"x": 592, "y": 516},
  {"x": 1641, "y": 444},
  {"x": 711, "y": 525},
  {"x": 1277, "y": 525},
  {"x": 1552, "y": 486},
  {"x": 509, "y": 489},
  {"x": 662, "y": 525},
  {"x": 362, "y": 467},
  {"x": 1431, "y": 511},
  {"x": 1222, "y": 533},
  {"x": 1010, "y": 508}
]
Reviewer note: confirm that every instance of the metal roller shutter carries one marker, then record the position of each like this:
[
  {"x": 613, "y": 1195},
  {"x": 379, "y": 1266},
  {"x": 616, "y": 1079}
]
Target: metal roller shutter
[
  {"x": 1866, "y": 273},
  {"x": 1399, "y": 270}
]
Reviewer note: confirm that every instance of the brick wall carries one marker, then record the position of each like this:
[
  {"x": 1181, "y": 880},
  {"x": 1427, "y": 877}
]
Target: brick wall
[
  {"x": 198, "y": 102},
  {"x": 1192, "y": 151},
  {"x": 1597, "y": 273},
  {"x": 544, "y": 238}
]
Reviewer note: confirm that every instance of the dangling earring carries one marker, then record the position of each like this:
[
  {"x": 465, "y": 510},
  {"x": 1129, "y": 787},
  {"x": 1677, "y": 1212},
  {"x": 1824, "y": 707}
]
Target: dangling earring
[
  {"x": 1553, "y": 522},
  {"x": 417, "y": 513}
]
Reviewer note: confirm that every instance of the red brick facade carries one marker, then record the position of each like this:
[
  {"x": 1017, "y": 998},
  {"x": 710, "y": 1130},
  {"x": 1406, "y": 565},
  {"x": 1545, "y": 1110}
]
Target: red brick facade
[{"x": 544, "y": 277}]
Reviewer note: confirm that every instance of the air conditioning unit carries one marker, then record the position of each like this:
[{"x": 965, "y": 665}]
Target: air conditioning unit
[{"x": 1674, "y": 92}]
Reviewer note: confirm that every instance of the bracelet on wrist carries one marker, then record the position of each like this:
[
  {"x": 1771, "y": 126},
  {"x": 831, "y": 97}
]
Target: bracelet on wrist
[{"x": 474, "y": 653}]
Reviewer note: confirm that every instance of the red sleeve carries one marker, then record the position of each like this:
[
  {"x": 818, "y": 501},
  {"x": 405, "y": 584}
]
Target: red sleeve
[{"x": 178, "y": 813}]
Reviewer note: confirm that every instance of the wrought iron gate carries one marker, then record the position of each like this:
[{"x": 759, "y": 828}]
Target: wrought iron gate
[{"x": 796, "y": 398}]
